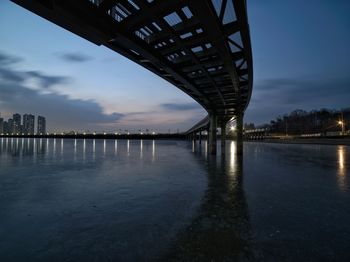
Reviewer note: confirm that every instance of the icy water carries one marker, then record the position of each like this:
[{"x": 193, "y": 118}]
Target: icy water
[{"x": 132, "y": 200}]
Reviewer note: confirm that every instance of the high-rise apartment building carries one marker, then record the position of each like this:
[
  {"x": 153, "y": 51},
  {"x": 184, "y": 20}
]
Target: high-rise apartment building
[
  {"x": 6, "y": 129},
  {"x": 41, "y": 127},
  {"x": 16, "y": 123},
  {"x": 28, "y": 124},
  {"x": 10, "y": 126},
  {"x": 2, "y": 126}
]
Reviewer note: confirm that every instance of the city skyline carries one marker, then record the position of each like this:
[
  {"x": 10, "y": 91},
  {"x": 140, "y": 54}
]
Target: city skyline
[
  {"x": 22, "y": 125},
  {"x": 289, "y": 71}
]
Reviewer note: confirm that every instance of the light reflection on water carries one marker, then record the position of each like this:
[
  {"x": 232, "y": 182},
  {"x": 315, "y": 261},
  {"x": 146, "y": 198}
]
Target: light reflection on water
[
  {"x": 342, "y": 176},
  {"x": 128, "y": 147},
  {"x": 141, "y": 148},
  {"x": 104, "y": 146},
  {"x": 232, "y": 155},
  {"x": 153, "y": 150}
]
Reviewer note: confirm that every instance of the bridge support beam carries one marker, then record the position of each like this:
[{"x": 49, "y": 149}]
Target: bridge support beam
[
  {"x": 223, "y": 137},
  {"x": 239, "y": 128},
  {"x": 212, "y": 134}
]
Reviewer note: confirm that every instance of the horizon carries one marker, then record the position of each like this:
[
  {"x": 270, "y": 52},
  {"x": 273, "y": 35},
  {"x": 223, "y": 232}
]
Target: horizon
[{"x": 169, "y": 131}]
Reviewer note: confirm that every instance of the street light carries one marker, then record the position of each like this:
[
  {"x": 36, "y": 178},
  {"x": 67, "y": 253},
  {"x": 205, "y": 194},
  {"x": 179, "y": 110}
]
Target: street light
[{"x": 341, "y": 123}]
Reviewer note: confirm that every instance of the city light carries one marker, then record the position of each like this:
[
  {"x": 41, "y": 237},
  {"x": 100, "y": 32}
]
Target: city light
[
  {"x": 342, "y": 124},
  {"x": 232, "y": 128}
]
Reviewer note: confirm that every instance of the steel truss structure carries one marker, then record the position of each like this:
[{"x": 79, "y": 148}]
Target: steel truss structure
[{"x": 200, "y": 46}]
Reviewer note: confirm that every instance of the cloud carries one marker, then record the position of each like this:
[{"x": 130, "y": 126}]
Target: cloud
[
  {"x": 46, "y": 81},
  {"x": 8, "y": 59},
  {"x": 25, "y": 91},
  {"x": 75, "y": 57},
  {"x": 180, "y": 106},
  {"x": 8, "y": 74},
  {"x": 11, "y": 75},
  {"x": 61, "y": 111}
]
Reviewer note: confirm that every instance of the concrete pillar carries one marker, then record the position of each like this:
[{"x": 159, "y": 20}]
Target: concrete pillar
[
  {"x": 239, "y": 128},
  {"x": 223, "y": 137},
  {"x": 200, "y": 137},
  {"x": 212, "y": 134}
]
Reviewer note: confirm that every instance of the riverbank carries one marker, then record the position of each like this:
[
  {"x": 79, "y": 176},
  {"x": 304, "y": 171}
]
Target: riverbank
[
  {"x": 317, "y": 141},
  {"x": 102, "y": 136}
]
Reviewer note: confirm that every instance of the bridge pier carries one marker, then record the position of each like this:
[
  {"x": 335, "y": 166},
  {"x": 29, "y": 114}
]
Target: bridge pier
[
  {"x": 239, "y": 128},
  {"x": 223, "y": 137},
  {"x": 212, "y": 134},
  {"x": 200, "y": 137}
]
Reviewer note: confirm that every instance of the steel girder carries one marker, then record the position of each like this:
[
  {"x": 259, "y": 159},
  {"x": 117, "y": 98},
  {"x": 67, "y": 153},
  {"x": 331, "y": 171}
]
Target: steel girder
[{"x": 201, "y": 46}]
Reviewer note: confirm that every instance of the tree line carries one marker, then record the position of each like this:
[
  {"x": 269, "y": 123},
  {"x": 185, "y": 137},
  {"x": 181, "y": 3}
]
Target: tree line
[{"x": 316, "y": 121}]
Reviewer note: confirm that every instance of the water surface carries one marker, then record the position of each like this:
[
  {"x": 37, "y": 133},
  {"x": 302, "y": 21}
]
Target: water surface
[{"x": 146, "y": 200}]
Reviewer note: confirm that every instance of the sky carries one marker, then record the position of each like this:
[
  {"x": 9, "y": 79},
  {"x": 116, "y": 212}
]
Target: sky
[{"x": 301, "y": 56}]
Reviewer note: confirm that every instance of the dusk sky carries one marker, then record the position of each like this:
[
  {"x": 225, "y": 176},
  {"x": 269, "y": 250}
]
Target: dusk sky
[{"x": 301, "y": 56}]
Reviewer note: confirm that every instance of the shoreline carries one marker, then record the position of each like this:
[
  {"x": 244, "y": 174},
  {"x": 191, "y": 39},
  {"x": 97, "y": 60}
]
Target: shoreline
[
  {"x": 307, "y": 141},
  {"x": 102, "y": 136}
]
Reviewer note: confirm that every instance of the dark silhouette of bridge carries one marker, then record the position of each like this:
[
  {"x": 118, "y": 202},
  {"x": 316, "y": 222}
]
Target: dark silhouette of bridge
[{"x": 201, "y": 46}]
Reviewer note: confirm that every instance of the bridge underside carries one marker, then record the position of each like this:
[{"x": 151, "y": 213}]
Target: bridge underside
[{"x": 202, "y": 47}]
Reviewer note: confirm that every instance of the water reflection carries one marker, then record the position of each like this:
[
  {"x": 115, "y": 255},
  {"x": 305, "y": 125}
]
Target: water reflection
[
  {"x": 47, "y": 146},
  {"x": 141, "y": 148},
  {"x": 104, "y": 146},
  {"x": 153, "y": 150},
  {"x": 94, "y": 149},
  {"x": 341, "y": 174},
  {"x": 54, "y": 147},
  {"x": 232, "y": 155},
  {"x": 128, "y": 147},
  {"x": 62, "y": 146},
  {"x": 77, "y": 148},
  {"x": 221, "y": 230},
  {"x": 84, "y": 149}
]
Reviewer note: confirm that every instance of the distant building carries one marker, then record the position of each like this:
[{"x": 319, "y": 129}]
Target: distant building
[
  {"x": 6, "y": 127},
  {"x": 16, "y": 123},
  {"x": 10, "y": 126},
  {"x": 41, "y": 127},
  {"x": 28, "y": 124},
  {"x": 1, "y": 125}
]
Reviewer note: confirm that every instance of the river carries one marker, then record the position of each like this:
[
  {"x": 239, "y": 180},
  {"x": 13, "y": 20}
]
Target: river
[{"x": 163, "y": 200}]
